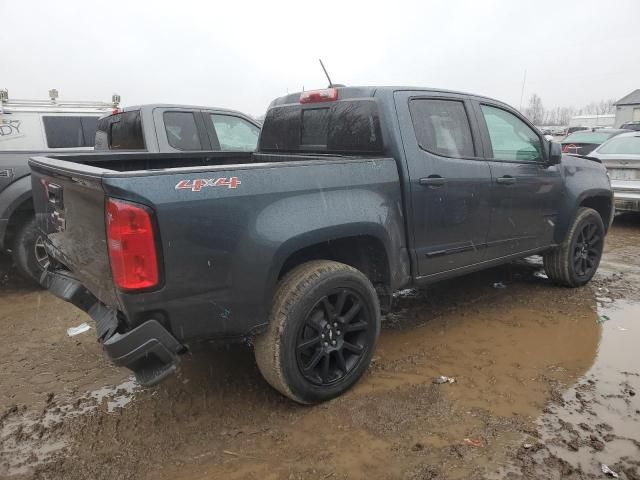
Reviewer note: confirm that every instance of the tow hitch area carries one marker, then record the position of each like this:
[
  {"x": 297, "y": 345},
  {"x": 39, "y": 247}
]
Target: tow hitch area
[{"x": 149, "y": 350}]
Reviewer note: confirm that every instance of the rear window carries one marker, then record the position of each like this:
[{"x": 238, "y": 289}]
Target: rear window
[
  {"x": 587, "y": 137},
  {"x": 122, "y": 131},
  {"x": 70, "y": 132},
  {"x": 348, "y": 126},
  {"x": 622, "y": 145}
]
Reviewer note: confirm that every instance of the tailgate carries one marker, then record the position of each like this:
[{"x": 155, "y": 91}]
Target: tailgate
[{"x": 70, "y": 208}]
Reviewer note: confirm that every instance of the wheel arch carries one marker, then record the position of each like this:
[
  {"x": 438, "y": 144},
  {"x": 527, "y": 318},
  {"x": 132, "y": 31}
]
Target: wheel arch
[{"x": 16, "y": 205}]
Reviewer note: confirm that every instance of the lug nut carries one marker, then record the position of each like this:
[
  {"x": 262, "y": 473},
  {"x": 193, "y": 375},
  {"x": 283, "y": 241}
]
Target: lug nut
[
  {"x": 326, "y": 344},
  {"x": 337, "y": 332},
  {"x": 333, "y": 342},
  {"x": 322, "y": 335},
  {"x": 335, "y": 324}
]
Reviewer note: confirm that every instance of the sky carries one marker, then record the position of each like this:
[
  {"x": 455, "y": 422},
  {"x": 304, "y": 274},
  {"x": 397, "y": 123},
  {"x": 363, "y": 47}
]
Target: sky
[{"x": 241, "y": 55}]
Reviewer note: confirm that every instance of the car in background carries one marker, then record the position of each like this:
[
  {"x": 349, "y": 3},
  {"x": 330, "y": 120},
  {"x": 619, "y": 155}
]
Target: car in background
[
  {"x": 584, "y": 142},
  {"x": 571, "y": 130},
  {"x": 631, "y": 126},
  {"x": 621, "y": 156}
]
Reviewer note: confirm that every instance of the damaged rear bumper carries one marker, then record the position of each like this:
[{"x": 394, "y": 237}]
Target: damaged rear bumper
[{"x": 149, "y": 350}]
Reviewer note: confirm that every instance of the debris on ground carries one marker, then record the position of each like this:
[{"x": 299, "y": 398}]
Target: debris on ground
[
  {"x": 603, "y": 318},
  {"x": 499, "y": 285},
  {"x": 407, "y": 293},
  {"x": 527, "y": 446},
  {"x": 607, "y": 471},
  {"x": 73, "y": 331},
  {"x": 472, "y": 442},
  {"x": 442, "y": 379},
  {"x": 541, "y": 274}
]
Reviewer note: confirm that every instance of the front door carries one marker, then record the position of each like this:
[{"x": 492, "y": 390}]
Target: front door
[
  {"x": 525, "y": 191},
  {"x": 449, "y": 180}
]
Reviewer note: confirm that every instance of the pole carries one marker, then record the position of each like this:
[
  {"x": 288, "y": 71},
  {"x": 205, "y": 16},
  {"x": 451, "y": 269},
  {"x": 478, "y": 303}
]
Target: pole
[{"x": 522, "y": 92}]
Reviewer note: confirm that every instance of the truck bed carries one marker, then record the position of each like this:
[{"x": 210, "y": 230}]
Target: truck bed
[{"x": 220, "y": 242}]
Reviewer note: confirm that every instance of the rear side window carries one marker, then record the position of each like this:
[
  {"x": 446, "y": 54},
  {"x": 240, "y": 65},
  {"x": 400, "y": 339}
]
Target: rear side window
[
  {"x": 182, "y": 132},
  {"x": 442, "y": 127},
  {"x": 234, "y": 133},
  {"x": 69, "y": 132},
  {"x": 346, "y": 126},
  {"x": 122, "y": 131}
]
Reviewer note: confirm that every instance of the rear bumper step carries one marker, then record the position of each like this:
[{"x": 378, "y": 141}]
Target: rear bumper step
[{"x": 149, "y": 350}]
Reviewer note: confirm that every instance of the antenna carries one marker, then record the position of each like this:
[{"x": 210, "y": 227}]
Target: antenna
[{"x": 325, "y": 72}]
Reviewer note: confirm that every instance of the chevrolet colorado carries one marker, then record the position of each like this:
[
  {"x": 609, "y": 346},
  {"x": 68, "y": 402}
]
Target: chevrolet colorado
[{"x": 353, "y": 193}]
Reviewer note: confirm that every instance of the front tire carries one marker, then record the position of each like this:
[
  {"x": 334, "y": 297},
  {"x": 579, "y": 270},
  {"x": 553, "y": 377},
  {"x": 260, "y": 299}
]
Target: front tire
[
  {"x": 322, "y": 332},
  {"x": 29, "y": 254},
  {"x": 575, "y": 262}
]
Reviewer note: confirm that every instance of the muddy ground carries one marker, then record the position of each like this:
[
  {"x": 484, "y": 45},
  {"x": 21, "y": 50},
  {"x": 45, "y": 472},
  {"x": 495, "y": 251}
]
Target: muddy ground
[{"x": 546, "y": 382}]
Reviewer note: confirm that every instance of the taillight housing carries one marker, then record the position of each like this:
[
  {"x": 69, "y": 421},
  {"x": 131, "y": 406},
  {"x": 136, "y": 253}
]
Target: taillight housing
[
  {"x": 319, "y": 96},
  {"x": 131, "y": 245}
]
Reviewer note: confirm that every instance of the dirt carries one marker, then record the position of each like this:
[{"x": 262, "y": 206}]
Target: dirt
[{"x": 547, "y": 385}]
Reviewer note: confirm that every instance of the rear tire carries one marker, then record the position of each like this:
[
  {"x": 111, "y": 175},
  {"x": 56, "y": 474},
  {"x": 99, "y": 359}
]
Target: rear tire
[
  {"x": 322, "y": 332},
  {"x": 29, "y": 254},
  {"x": 575, "y": 262}
]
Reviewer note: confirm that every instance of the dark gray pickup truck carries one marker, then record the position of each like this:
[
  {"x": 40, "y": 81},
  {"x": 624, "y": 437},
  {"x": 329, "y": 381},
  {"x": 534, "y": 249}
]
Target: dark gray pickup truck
[{"x": 352, "y": 194}]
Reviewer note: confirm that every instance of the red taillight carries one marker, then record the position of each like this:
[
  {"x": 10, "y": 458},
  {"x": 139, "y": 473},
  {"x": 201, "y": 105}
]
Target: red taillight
[
  {"x": 318, "y": 96},
  {"x": 132, "y": 248}
]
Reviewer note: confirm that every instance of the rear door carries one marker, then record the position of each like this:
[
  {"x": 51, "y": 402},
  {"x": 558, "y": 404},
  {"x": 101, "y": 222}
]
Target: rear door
[
  {"x": 449, "y": 179},
  {"x": 525, "y": 190},
  {"x": 230, "y": 133}
]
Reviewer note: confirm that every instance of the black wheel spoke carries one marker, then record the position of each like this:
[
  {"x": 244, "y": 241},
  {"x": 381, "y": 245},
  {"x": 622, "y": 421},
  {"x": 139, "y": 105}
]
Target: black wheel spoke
[
  {"x": 328, "y": 308},
  {"x": 342, "y": 365},
  {"x": 355, "y": 327},
  {"x": 325, "y": 368},
  {"x": 309, "y": 343},
  {"x": 595, "y": 239},
  {"x": 357, "y": 349},
  {"x": 342, "y": 298},
  {"x": 353, "y": 311},
  {"x": 314, "y": 360}
]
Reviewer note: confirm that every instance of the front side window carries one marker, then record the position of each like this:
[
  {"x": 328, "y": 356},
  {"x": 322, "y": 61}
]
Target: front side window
[
  {"x": 235, "y": 133},
  {"x": 442, "y": 127},
  {"x": 69, "y": 132},
  {"x": 511, "y": 138},
  {"x": 182, "y": 132}
]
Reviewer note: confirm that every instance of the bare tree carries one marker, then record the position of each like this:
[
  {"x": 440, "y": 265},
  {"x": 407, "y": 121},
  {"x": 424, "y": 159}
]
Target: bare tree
[{"x": 535, "y": 111}]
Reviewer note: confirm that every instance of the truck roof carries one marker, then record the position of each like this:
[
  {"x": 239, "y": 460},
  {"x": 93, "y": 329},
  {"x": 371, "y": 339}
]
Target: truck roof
[
  {"x": 151, "y": 106},
  {"x": 370, "y": 91}
]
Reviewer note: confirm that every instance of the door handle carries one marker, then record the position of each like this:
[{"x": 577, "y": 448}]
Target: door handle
[
  {"x": 433, "y": 181},
  {"x": 506, "y": 180}
]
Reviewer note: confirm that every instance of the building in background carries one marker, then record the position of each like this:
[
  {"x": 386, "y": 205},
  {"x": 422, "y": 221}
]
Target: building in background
[
  {"x": 628, "y": 108},
  {"x": 591, "y": 121}
]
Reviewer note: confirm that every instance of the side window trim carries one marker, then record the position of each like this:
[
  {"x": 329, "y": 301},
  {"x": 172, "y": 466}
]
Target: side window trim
[
  {"x": 476, "y": 137},
  {"x": 486, "y": 138}
]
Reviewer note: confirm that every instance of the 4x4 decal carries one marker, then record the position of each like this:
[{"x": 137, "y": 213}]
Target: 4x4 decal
[{"x": 199, "y": 183}]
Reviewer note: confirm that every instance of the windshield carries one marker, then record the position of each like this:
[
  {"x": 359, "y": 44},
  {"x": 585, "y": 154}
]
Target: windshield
[
  {"x": 628, "y": 145},
  {"x": 587, "y": 137}
]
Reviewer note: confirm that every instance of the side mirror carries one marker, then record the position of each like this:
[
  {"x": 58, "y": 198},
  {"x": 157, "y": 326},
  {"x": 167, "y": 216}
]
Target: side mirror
[{"x": 555, "y": 153}]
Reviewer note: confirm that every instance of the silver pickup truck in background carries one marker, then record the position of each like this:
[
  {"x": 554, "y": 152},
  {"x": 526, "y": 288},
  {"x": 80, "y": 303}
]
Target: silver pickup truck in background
[{"x": 29, "y": 128}]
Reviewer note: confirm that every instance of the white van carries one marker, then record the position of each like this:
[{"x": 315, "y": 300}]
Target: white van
[{"x": 28, "y": 128}]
